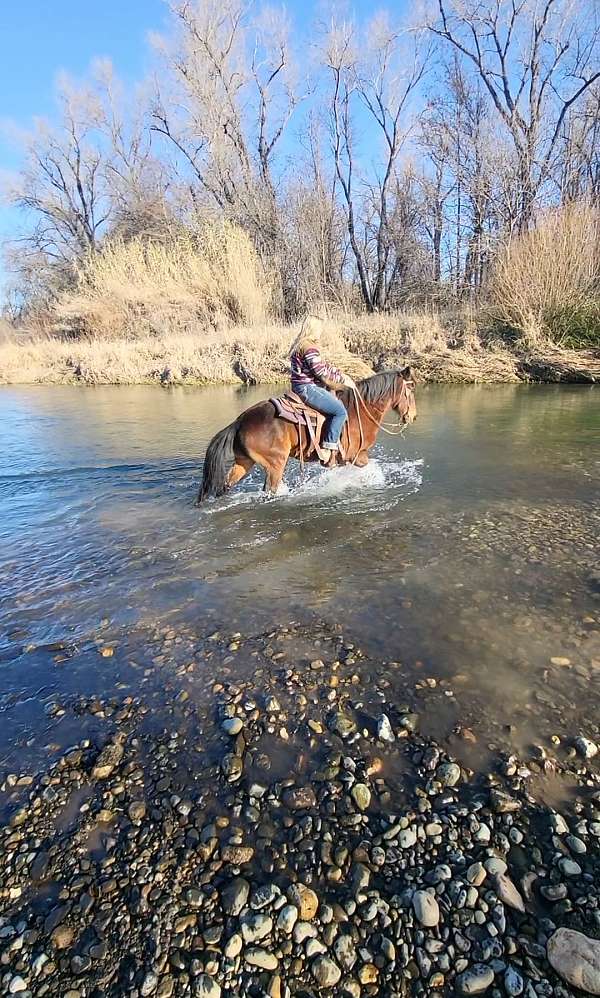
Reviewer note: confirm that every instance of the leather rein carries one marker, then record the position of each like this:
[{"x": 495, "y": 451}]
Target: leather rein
[{"x": 380, "y": 426}]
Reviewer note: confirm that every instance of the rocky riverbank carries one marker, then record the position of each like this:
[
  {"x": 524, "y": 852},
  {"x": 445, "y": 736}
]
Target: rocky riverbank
[{"x": 293, "y": 836}]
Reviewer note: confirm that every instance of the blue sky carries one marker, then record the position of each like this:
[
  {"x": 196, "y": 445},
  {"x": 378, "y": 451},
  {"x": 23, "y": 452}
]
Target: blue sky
[{"x": 42, "y": 38}]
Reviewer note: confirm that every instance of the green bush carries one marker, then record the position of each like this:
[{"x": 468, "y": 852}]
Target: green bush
[{"x": 576, "y": 327}]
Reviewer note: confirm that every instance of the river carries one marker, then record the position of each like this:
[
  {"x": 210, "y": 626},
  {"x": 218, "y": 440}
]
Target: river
[{"x": 463, "y": 560}]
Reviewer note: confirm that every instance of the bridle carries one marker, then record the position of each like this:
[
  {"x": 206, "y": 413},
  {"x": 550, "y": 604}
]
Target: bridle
[
  {"x": 359, "y": 401},
  {"x": 406, "y": 385}
]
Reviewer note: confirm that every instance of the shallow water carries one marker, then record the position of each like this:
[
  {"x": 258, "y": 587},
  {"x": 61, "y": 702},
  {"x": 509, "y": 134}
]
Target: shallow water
[{"x": 464, "y": 555}]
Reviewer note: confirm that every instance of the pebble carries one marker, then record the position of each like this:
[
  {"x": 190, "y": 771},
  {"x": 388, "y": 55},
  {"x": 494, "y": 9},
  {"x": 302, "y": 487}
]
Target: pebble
[
  {"x": 232, "y": 726},
  {"x": 345, "y": 951},
  {"x": 233, "y": 947},
  {"x": 305, "y": 900},
  {"x": 149, "y": 984},
  {"x": 258, "y": 957},
  {"x": 569, "y": 868},
  {"x": 325, "y": 972},
  {"x": 426, "y": 908},
  {"x": 586, "y": 748},
  {"x": 361, "y": 795},
  {"x": 407, "y": 838},
  {"x": 235, "y": 895},
  {"x": 476, "y": 980},
  {"x": 17, "y": 985},
  {"x": 299, "y": 798},
  {"x": 448, "y": 774},
  {"x": 237, "y": 855},
  {"x": 206, "y": 987},
  {"x": 576, "y": 958},
  {"x": 287, "y": 918},
  {"x": 384, "y": 729},
  {"x": 508, "y": 893},
  {"x": 513, "y": 982},
  {"x": 232, "y": 767}
]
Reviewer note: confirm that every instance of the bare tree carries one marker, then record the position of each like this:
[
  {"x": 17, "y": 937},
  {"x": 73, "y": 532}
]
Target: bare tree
[
  {"x": 232, "y": 98},
  {"x": 377, "y": 83},
  {"x": 536, "y": 59},
  {"x": 62, "y": 185}
]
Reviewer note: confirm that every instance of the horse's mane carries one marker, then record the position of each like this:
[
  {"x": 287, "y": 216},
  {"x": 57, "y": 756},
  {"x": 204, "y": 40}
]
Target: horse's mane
[{"x": 377, "y": 387}]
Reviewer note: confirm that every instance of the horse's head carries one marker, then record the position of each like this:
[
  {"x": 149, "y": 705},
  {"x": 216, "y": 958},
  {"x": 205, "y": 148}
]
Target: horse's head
[{"x": 404, "y": 399}]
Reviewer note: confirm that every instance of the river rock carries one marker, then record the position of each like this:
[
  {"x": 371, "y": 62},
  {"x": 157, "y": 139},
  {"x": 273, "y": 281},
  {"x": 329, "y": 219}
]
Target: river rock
[
  {"x": 17, "y": 985},
  {"x": 258, "y": 957},
  {"x": 233, "y": 946},
  {"x": 255, "y": 926},
  {"x": 287, "y": 918},
  {"x": 237, "y": 855},
  {"x": 476, "y": 980},
  {"x": 136, "y": 810},
  {"x": 235, "y": 896},
  {"x": 109, "y": 757},
  {"x": 342, "y": 725},
  {"x": 62, "y": 936},
  {"x": 426, "y": 908},
  {"x": 503, "y": 803},
  {"x": 384, "y": 729},
  {"x": 513, "y": 982},
  {"x": 576, "y": 958},
  {"x": 508, "y": 893},
  {"x": 325, "y": 972},
  {"x": 306, "y": 901},
  {"x": 345, "y": 951},
  {"x": 206, "y": 987},
  {"x": 448, "y": 774},
  {"x": 585, "y": 747},
  {"x": 232, "y": 726},
  {"x": 149, "y": 984},
  {"x": 231, "y": 767},
  {"x": 361, "y": 795},
  {"x": 299, "y": 798},
  {"x": 569, "y": 868},
  {"x": 407, "y": 838}
]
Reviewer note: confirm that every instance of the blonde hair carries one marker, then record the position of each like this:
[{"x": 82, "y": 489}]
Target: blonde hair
[{"x": 311, "y": 331}]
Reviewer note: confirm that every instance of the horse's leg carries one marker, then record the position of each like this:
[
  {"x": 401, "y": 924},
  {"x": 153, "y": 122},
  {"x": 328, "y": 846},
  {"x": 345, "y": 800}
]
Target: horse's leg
[
  {"x": 362, "y": 459},
  {"x": 239, "y": 470},
  {"x": 273, "y": 475}
]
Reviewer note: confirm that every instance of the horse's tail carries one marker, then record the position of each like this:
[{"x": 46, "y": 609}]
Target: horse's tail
[{"x": 219, "y": 455}]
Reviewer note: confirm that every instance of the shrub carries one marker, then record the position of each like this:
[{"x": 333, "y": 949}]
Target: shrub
[
  {"x": 131, "y": 288},
  {"x": 546, "y": 283}
]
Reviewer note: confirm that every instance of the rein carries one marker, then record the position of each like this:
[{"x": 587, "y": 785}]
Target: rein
[{"x": 382, "y": 426}]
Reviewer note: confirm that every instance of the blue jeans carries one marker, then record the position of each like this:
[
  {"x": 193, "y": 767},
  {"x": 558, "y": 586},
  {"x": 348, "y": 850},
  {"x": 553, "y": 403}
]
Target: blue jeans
[{"x": 327, "y": 403}]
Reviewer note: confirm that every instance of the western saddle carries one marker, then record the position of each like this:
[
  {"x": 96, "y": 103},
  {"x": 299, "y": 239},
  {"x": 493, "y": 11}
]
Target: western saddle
[{"x": 294, "y": 410}]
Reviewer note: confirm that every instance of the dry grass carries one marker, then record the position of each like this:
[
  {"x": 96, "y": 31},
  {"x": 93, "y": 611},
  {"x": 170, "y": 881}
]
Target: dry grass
[
  {"x": 133, "y": 289},
  {"x": 250, "y": 354},
  {"x": 443, "y": 352},
  {"x": 546, "y": 283}
]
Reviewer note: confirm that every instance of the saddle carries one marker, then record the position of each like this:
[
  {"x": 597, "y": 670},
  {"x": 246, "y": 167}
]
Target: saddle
[{"x": 294, "y": 410}]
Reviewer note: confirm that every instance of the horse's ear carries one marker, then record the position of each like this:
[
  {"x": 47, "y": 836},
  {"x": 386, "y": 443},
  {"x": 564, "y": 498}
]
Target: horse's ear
[{"x": 406, "y": 374}]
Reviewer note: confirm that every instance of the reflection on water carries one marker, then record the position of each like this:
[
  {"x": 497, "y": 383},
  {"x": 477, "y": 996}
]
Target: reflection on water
[{"x": 465, "y": 551}]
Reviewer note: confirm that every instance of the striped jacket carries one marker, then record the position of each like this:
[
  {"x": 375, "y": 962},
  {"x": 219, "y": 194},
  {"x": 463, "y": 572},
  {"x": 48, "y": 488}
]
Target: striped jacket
[{"x": 309, "y": 368}]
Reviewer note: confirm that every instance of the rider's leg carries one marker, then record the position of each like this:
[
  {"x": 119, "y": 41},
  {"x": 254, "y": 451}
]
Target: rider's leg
[{"x": 327, "y": 403}]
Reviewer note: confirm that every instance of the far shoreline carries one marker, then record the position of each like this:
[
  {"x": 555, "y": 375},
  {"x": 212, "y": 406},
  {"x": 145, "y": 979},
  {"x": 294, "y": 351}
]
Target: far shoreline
[{"x": 258, "y": 356}]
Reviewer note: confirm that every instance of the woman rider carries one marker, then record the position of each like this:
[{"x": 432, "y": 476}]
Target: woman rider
[{"x": 311, "y": 378}]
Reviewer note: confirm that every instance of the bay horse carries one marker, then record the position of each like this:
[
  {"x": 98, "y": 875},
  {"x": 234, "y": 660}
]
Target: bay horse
[{"x": 259, "y": 436}]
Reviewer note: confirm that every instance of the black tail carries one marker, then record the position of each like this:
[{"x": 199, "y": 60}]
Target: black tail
[{"x": 219, "y": 456}]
